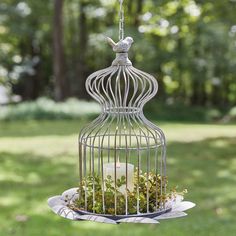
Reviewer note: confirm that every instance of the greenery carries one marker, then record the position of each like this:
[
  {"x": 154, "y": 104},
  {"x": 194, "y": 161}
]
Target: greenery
[
  {"x": 183, "y": 113},
  {"x": 154, "y": 188},
  {"x": 44, "y": 108},
  {"x": 39, "y": 159},
  {"x": 232, "y": 114},
  {"x": 72, "y": 108},
  {"x": 189, "y": 45}
]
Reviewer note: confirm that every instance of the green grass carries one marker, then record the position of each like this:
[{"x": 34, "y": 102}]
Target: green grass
[{"x": 38, "y": 159}]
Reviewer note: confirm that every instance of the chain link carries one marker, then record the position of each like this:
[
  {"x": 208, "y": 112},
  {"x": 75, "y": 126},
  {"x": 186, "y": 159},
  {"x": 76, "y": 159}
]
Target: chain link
[{"x": 121, "y": 22}]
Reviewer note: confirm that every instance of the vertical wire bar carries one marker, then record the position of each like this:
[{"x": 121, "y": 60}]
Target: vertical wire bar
[
  {"x": 164, "y": 155},
  {"x": 93, "y": 175},
  {"x": 120, "y": 113},
  {"x": 99, "y": 153},
  {"x": 117, "y": 112},
  {"x": 120, "y": 141},
  {"x": 139, "y": 163},
  {"x": 118, "y": 89},
  {"x": 164, "y": 164},
  {"x": 126, "y": 90},
  {"x": 161, "y": 178},
  {"x": 126, "y": 162},
  {"x": 127, "y": 104},
  {"x": 100, "y": 165},
  {"x": 156, "y": 174},
  {"x": 116, "y": 150},
  {"x": 103, "y": 181},
  {"x": 115, "y": 156},
  {"x": 85, "y": 178},
  {"x": 119, "y": 151},
  {"x": 108, "y": 144},
  {"x": 139, "y": 171},
  {"x": 90, "y": 156},
  {"x": 80, "y": 162},
  {"x": 148, "y": 172},
  {"x": 80, "y": 168}
]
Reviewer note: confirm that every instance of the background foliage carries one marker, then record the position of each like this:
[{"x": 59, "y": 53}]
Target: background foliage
[
  {"x": 189, "y": 45},
  {"x": 48, "y": 48}
]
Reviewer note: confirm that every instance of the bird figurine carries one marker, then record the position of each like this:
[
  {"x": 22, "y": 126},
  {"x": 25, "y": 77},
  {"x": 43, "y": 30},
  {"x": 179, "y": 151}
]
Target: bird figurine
[{"x": 122, "y": 46}]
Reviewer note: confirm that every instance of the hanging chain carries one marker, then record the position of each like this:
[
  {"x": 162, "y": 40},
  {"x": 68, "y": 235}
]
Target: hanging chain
[{"x": 122, "y": 20}]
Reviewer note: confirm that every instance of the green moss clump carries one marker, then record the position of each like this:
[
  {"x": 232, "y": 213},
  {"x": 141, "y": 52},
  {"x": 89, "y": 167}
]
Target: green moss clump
[{"x": 144, "y": 185}]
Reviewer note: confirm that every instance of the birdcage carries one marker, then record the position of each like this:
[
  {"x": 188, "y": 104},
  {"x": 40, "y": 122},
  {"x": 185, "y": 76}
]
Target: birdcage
[{"x": 122, "y": 155}]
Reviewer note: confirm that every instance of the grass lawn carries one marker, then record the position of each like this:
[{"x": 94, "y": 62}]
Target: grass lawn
[{"x": 38, "y": 159}]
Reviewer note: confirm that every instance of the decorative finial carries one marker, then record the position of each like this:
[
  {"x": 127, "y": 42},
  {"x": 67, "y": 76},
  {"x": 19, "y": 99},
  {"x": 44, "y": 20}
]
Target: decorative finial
[{"x": 122, "y": 46}]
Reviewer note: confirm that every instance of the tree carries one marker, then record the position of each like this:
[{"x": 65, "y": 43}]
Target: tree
[
  {"x": 83, "y": 42},
  {"x": 61, "y": 84}
]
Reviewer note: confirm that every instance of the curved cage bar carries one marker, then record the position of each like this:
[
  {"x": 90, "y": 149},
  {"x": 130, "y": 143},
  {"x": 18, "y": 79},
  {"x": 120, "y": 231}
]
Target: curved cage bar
[
  {"x": 121, "y": 88},
  {"x": 122, "y": 155}
]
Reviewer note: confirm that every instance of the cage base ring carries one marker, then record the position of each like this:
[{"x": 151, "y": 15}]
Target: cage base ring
[{"x": 119, "y": 217}]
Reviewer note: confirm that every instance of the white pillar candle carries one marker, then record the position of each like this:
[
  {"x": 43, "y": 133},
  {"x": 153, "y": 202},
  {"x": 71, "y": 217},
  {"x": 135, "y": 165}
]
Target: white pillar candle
[{"x": 109, "y": 170}]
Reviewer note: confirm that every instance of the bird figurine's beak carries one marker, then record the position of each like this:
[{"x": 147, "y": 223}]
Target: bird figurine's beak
[{"x": 129, "y": 39}]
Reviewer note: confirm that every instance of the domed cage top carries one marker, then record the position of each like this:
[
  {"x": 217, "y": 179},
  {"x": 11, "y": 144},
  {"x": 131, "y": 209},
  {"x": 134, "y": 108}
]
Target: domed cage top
[{"x": 122, "y": 155}]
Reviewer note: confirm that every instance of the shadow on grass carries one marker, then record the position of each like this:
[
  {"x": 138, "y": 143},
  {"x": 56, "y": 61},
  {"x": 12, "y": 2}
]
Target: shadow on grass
[{"x": 207, "y": 168}]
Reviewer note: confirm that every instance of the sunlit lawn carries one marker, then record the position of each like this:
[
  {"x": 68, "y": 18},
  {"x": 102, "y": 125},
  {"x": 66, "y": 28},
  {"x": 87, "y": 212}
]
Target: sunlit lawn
[{"x": 39, "y": 159}]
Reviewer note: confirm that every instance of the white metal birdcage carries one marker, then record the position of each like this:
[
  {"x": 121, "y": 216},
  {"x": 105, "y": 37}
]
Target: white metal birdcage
[
  {"x": 121, "y": 142},
  {"x": 122, "y": 155}
]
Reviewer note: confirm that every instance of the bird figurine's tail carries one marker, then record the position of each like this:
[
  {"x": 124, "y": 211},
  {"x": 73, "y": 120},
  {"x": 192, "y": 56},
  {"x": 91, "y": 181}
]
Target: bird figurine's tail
[{"x": 111, "y": 42}]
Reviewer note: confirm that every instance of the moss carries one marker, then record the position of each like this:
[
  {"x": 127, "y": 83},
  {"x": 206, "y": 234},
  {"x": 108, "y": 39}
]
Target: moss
[{"x": 149, "y": 194}]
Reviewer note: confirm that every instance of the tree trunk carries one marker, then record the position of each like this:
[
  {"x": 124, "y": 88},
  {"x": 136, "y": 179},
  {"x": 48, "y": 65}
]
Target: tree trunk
[
  {"x": 29, "y": 86},
  {"x": 61, "y": 84},
  {"x": 83, "y": 43}
]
